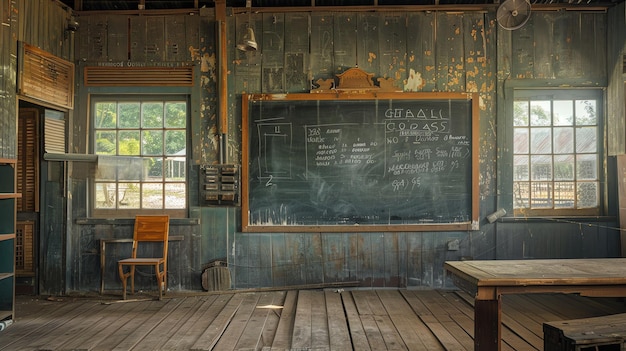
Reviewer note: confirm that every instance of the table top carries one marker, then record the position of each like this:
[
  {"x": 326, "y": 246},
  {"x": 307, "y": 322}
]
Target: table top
[{"x": 595, "y": 271}]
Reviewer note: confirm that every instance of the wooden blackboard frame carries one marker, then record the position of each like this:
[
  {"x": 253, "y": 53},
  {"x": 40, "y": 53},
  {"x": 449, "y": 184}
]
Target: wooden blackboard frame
[{"x": 471, "y": 224}]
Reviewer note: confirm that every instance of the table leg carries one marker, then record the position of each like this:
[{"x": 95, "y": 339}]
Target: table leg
[
  {"x": 102, "y": 255},
  {"x": 487, "y": 326}
]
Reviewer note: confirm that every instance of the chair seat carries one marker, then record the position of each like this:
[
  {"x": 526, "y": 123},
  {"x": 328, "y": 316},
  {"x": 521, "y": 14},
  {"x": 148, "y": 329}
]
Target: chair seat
[{"x": 141, "y": 261}]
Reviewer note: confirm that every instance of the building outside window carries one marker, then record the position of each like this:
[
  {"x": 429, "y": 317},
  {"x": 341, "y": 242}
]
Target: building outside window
[
  {"x": 557, "y": 152},
  {"x": 142, "y": 162}
]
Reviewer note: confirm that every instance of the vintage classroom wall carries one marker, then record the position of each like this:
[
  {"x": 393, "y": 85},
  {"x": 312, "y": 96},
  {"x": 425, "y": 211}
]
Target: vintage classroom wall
[{"x": 421, "y": 51}]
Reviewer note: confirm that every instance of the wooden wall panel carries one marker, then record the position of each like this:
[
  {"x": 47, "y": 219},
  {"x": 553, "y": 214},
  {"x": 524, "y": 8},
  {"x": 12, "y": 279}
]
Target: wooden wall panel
[
  {"x": 175, "y": 41},
  {"x": 155, "y": 48},
  {"x": 322, "y": 58},
  {"x": 522, "y": 60},
  {"x": 449, "y": 53},
  {"x": 137, "y": 38},
  {"x": 392, "y": 41},
  {"x": 344, "y": 40},
  {"x": 248, "y": 64},
  {"x": 273, "y": 53},
  {"x": 117, "y": 39},
  {"x": 368, "y": 41},
  {"x": 420, "y": 75},
  {"x": 589, "y": 48},
  {"x": 616, "y": 70},
  {"x": 94, "y": 38},
  {"x": 297, "y": 58}
]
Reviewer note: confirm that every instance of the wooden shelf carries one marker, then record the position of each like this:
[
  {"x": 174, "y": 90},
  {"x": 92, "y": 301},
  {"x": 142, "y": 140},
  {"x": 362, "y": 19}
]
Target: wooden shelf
[
  {"x": 4, "y": 237},
  {"x": 10, "y": 195},
  {"x": 8, "y": 160},
  {"x": 6, "y": 275}
]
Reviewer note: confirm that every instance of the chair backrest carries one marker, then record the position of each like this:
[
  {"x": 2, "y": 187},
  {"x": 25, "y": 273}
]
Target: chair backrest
[{"x": 151, "y": 228}]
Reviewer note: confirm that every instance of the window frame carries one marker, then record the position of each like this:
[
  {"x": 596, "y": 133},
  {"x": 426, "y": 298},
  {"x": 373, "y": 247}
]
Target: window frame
[
  {"x": 131, "y": 212},
  {"x": 555, "y": 94}
]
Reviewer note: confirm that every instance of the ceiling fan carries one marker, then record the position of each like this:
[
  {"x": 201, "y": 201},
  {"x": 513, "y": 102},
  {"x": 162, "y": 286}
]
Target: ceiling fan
[{"x": 513, "y": 14}]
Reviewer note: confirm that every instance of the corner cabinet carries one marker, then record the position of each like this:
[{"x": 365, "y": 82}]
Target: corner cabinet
[{"x": 8, "y": 211}]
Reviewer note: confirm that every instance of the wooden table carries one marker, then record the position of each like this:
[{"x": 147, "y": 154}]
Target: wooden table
[{"x": 487, "y": 281}]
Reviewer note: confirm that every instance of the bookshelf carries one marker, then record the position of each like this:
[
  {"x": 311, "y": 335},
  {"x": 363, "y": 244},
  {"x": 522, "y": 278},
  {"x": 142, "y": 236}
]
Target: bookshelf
[{"x": 8, "y": 211}]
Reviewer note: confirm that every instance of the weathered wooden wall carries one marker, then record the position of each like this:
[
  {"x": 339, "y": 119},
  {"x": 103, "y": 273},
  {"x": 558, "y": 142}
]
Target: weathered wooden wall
[
  {"x": 8, "y": 74},
  {"x": 616, "y": 70},
  {"x": 421, "y": 51}
]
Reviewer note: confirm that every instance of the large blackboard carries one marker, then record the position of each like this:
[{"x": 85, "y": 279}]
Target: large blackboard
[{"x": 326, "y": 162}]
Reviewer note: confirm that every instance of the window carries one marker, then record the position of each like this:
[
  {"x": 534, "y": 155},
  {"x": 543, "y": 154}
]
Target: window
[
  {"x": 142, "y": 143},
  {"x": 557, "y": 153}
]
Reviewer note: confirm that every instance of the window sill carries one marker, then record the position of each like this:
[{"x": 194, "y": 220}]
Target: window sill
[{"x": 131, "y": 221}]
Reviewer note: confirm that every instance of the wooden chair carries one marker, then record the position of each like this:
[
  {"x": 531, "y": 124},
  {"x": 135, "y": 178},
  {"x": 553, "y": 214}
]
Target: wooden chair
[{"x": 147, "y": 229}]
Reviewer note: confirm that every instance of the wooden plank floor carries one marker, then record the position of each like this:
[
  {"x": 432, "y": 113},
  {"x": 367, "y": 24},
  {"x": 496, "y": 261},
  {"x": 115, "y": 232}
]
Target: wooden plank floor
[{"x": 286, "y": 320}]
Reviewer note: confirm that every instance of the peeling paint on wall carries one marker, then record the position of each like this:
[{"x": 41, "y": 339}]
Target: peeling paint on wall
[
  {"x": 208, "y": 65},
  {"x": 414, "y": 82}
]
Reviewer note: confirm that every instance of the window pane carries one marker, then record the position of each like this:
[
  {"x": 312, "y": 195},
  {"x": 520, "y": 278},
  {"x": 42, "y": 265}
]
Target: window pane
[
  {"x": 175, "y": 142},
  {"x": 563, "y": 140},
  {"x": 587, "y": 195},
  {"x": 152, "y": 195},
  {"x": 105, "y": 195},
  {"x": 105, "y": 115},
  {"x": 128, "y": 168},
  {"x": 586, "y": 139},
  {"x": 520, "y": 113},
  {"x": 128, "y": 195},
  {"x": 564, "y": 195},
  {"x": 129, "y": 143},
  {"x": 152, "y": 115},
  {"x": 541, "y": 195},
  {"x": 152, "y": 142},
  {"x": 564, "y": 167},
  {"x": 129, "y": 115},
  {"x": 541, "y": 167},
  {"x": 175, "y": 168},
  {"x": 521, "y": 141},
  {"x": 520, "y": 170},
  {"x": 175, "y": 195},
  {"x": 154, "y": 167},
  {"x": 175, "y": 115},
  {"x": 587, "y": 167},
  {"x": 540, "y": 113},
  {"x": 586, "y": 112},
  {"x": 105, "y": 143},
  {"x": 521, "y": 194},
  {"x": 563, "y": 113},
  {"x": 541, "y": 140}
]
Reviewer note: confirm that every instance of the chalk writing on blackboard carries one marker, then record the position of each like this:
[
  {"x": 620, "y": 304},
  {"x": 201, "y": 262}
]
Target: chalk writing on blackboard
[{"x": 389, "y": 164}]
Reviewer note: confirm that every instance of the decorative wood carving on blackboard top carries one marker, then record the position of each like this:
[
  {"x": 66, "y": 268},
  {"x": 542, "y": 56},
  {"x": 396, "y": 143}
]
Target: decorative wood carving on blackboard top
[{"x": 355, "y": 80}]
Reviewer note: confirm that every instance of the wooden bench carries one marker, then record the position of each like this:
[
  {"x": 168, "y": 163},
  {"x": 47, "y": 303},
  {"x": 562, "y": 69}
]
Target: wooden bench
[{"x": 606, "y": 333}]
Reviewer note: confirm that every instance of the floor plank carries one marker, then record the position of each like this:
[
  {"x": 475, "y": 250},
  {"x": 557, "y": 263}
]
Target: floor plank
[
  {"x": 359, "y": 319},
  {"x": 284, "y": 330},
  {"x": 338, "y": 330},
  {"x": 211, "y": 335}
]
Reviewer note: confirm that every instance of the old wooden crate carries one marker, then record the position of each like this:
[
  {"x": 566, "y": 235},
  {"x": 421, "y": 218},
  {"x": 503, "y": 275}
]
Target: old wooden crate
[{"x": 606, "y": 333}]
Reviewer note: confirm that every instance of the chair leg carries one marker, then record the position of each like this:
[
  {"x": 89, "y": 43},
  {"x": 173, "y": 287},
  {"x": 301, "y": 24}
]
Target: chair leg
[
  {"x": 159, "y": 278},
  {"x": 123, "y": 277},
  {"x": 165, "y": 277},
  {"x": 132, "y": 279}
]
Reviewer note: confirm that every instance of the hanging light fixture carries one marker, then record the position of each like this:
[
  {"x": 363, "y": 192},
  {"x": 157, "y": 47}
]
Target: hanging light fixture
[{"x": 248, "y": 42}]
